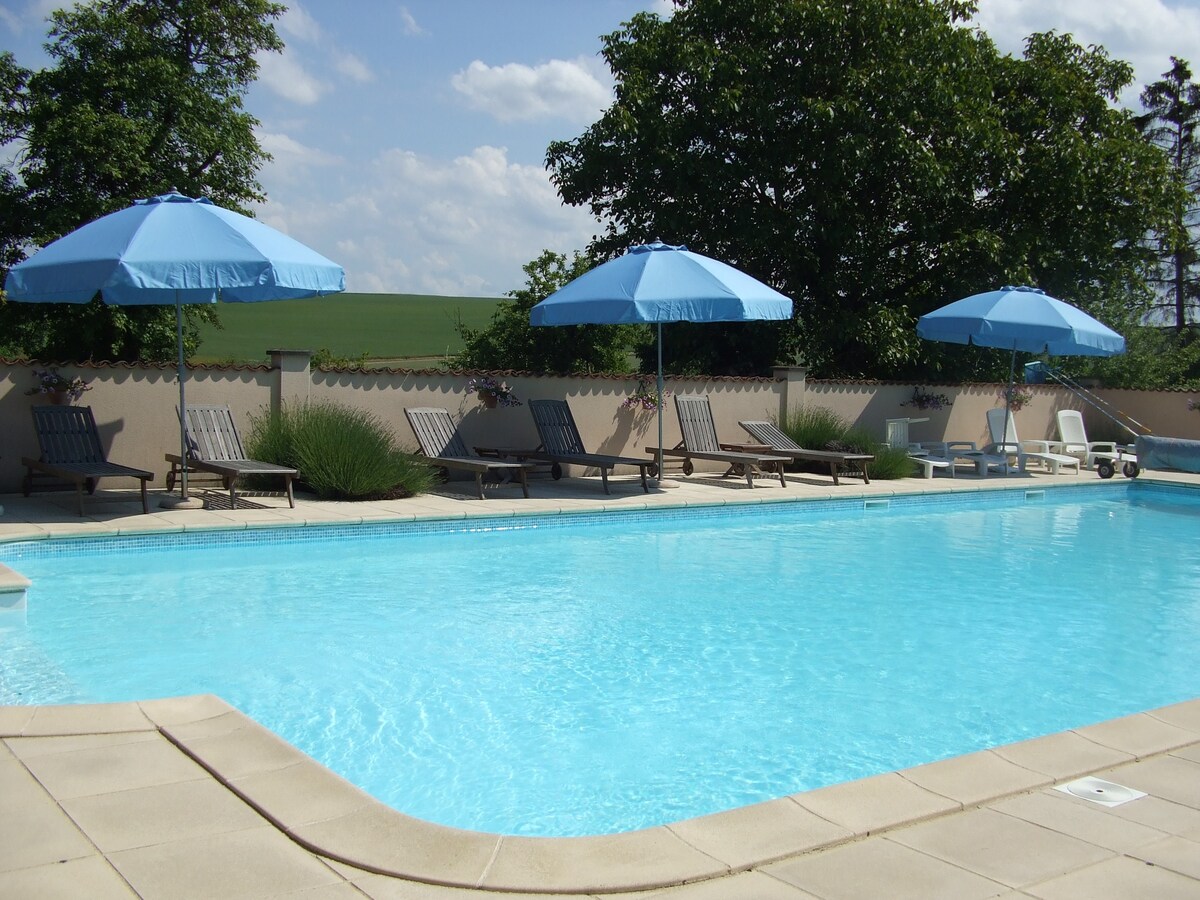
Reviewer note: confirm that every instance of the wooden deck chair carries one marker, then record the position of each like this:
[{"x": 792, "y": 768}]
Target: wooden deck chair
[
  {"x": 215, "y": 447},
  {"x": 700, "y": 442},
  {"x": 439, "y": 440},
  {"x": 770, "y": 435},
  {"x": 561, "y": 443},
  {"x": 70, "y": 450}
]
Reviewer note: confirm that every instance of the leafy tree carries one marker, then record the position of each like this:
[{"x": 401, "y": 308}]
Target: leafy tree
[
  {"x": 143, "y": 96},
  {"x": 510, "y": 342},
  {"x": 873, "y": 160},
  {"x": 1172, "y": 115}
]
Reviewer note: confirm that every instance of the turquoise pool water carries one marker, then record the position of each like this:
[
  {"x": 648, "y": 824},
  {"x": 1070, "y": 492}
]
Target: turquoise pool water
[{"x": 605, "y": 673}]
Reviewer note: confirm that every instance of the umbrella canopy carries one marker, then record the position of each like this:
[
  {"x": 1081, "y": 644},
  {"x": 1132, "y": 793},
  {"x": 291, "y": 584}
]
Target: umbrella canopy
[
  {"x": 661, "y": 283},
  {"x": 1020, "y": 318},
  {"x": 173, "y": 249},
  {"x": 656, "y": 283}
]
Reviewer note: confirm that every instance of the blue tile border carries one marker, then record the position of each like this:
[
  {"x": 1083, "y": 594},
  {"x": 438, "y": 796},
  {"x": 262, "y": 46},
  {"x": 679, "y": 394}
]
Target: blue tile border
[{"x": 808, "y": 508}]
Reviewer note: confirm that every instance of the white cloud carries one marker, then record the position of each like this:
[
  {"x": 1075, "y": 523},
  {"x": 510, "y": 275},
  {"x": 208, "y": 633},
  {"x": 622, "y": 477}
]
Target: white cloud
[
  {"x": 283, "y": 74},
  {"x": 34, "y": 15},
  {"x": 462, "y": 227},
  {"x": 516, "y": 92},
  {"x": 1144, "y": 33},
  {"x": 293, "y": 161},
  {"x": 354, "y": 68},
  {"x": 411, "y": 28},
  {"x": 297, "y": 23}
]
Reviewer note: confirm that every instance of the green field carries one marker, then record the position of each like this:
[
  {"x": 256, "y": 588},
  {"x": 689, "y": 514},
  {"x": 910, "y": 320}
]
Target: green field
[{"x": 386, "y": 327}]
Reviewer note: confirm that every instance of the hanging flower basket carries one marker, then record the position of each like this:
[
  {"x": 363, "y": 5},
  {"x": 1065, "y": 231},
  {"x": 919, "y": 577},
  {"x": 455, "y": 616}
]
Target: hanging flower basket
[
  {"x": 492, "y": 393},
  {"x": 57, "y": 389},
  {"x": 644, "y": 396}
]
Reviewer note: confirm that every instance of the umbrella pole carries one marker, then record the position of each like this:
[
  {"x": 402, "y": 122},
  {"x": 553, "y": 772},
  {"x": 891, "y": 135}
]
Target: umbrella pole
[
  {"x": 660, "y": 403},
  {"x": 662, "y": 482},
  {"x": 1012, "y": 370},
  {"x": 183, "y": 501}
]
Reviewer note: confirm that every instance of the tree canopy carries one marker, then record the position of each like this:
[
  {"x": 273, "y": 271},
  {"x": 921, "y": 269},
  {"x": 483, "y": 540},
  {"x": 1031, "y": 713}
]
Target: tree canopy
[
  {"x": 510, "y": 342},
  {"x": 873, "y": 160},
  {"x": 1171, "y": 121},
  {"x": 142, "y": 97}
]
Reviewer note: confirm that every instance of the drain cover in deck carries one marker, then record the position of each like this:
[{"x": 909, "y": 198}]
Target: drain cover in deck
[{"x": 1099, "y": 791}]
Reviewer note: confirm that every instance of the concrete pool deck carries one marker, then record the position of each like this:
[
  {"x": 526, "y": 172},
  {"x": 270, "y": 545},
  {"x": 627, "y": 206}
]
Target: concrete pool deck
[{"x": 186, "y": 797}]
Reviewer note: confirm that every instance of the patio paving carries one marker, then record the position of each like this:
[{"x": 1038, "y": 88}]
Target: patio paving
[{"x": 187, "y": 797}]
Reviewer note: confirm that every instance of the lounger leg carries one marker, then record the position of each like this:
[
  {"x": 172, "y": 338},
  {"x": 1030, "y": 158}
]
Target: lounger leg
[
  {"x": 524, "y": 483},
  {"x": 79, "y": 496},
  {"x": 866, "y": 474},
  {"x": 27, "y": 483},
  {"x": 645, "y": 483},
  {"x": 145, "y": 501},
  {"x": 287, "y": 485},
  {"x": 781, "y": 468},
  {"x": 479, "y": 484},
  {"x": 604, "y": 479},
  {"x": 833, "y": 472}
]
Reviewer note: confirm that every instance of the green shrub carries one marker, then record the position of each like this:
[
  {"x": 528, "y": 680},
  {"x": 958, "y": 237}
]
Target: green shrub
[
  {"x": 343, "y": 453},
  {"x": 813, "y": 427},
  {"x": 818, "y": 428}
]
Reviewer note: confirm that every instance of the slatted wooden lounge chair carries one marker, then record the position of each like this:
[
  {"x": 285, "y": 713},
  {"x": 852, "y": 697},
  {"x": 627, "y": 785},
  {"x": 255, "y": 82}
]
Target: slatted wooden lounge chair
[
  {"x": 70, "y": 450},
  {"x": 769, "y": 435},
  {"x": 439, "y": 440},
  {"x": 561, "y": 443},
  {"x": 215, "y": 447},
  {"x": 700, "y": 442}
]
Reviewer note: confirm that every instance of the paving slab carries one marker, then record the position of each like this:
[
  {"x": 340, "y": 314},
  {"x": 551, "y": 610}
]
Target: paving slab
[
  {"x": 91, "y": 877},
  {"x": 1010, "y": 851},
  {"x": 123, "y": 820},
  {"x": 873, "y": 869},
  {"x": 243, "y": 865},
  {"x": 1120, "y": 878}
]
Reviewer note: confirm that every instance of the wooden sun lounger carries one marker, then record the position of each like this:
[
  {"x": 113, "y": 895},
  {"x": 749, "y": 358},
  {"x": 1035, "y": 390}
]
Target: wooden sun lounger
[
  {"x": 215, "y": 447},
  {"x": 439, "y": 440},
  {"x": 71, "y": 450},
  {"x": 561, "y": 444},
  {"x": 769, "y": 435},
  {"x": 700, "y": 442}
]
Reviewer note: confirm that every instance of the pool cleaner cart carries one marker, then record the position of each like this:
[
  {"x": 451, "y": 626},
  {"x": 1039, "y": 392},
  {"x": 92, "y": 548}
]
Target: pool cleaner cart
[{"x": 1123, "y": 456}]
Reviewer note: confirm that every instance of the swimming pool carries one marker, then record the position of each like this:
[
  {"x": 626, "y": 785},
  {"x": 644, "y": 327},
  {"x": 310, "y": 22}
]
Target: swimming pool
[{"x": 589, "y": 674}]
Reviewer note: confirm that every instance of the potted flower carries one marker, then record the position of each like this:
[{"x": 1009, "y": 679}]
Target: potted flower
[
  {"x": 644, "y": 396},
  {"x": 1015, "y": 396},
  {"x": 493, "y": 393},
  {"x": 922, "y": 399},
  {"x": 57, "y": 388}
]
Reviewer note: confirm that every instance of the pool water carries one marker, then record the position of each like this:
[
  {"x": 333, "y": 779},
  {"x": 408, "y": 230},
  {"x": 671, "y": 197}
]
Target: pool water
[{"x": 636, "y": 670}]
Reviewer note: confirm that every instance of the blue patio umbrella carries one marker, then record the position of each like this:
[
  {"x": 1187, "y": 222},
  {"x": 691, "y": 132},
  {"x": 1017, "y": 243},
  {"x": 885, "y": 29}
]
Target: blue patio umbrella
[
  {"x": 173, "y": 249},
  {"x": 657, "y": 283},
  {"x": 1020, "y": 318}
]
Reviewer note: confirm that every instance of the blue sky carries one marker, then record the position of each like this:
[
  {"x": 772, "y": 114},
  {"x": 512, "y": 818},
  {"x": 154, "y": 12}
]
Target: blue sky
[{"x": 409, "y": 137}]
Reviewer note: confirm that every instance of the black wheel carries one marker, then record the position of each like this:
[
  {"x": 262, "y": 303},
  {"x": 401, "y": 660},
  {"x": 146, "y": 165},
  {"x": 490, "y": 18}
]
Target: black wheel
[
  {"x": 652, "y": 470},
  {"x": 556, "y": 471},
  {"x": 1130, "y": 470},
  {"x": 1105, "y": 468},
  {"x": 688, "y": 468},
  {"x": 91, "y": 485},
  {"x": 170, "y": 481}
]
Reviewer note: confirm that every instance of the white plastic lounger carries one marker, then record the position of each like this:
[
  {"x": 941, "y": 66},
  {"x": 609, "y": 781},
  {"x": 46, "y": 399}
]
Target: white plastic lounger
[
  {"x": 1105, "y": 456},
  {"x": 1005, "y": 442},
  {"x": 897, "y": 438}
]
